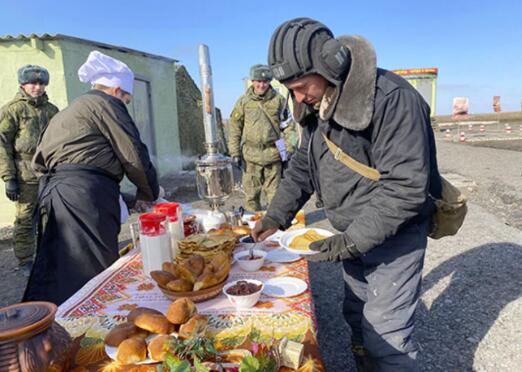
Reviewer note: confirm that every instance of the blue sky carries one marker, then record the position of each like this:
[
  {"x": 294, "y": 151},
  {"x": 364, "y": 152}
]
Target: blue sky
[{"x": 475, "y": 44}]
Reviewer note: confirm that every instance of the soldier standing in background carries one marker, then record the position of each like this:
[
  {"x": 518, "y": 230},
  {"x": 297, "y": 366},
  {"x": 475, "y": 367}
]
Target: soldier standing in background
[
  {"x": 259, "y": 119},
  {"x": 21, "y": 122}
]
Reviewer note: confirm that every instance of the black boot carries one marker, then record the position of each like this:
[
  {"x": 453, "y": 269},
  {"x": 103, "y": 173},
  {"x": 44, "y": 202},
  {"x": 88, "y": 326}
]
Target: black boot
[{"x": 363, "y": 360}]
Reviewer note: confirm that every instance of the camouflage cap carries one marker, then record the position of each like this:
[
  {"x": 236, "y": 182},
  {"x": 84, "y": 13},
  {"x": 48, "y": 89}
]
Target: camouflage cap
[
  {"x": 260, "y": 72},
  {"x": 30, "y": 74}
]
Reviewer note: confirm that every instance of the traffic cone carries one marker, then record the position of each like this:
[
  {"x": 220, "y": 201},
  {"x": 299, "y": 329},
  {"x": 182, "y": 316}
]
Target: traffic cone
[
  {"x": 462, "y": 137},
  {"x": 521, "y": 128},
  {"x": 508, "y": 129},
  {"x": 482, "y": 129},
  {"x": 470, "y": 127},
  {"x": 448, "y": 133}
]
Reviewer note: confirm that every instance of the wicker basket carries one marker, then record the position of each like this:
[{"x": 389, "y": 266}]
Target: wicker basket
[{"x": 196, "y": 296}]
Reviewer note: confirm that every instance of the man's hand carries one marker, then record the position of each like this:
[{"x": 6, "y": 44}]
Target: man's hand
[
  {"x": 12, "y": 190},
  {"x": 335, "y": 248},
  {"x": 264, "y": 228},
  {"x": 236, "y": 160}
]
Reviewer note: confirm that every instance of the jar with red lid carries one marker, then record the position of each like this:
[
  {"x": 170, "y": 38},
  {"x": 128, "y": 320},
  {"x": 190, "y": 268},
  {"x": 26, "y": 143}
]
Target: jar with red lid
[
  {"x": 154, "y": 241},
  {"x": 175, "y": 225}
]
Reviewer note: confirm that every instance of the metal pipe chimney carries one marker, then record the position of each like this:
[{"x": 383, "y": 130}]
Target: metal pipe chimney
[{"x": 207, "y": 92}]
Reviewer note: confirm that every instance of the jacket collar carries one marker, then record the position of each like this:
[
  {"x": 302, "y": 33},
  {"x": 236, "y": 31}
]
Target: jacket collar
[{"x": 351, "y": 104}]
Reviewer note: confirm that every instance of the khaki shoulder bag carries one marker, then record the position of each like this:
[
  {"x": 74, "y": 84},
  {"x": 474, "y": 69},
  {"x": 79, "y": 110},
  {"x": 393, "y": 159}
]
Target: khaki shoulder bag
[{"x": 450, "y": 210}]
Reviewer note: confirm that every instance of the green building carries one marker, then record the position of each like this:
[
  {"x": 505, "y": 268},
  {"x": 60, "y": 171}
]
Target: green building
[
  {"x": 425, "y": 81},
  {"x": 166, "y": 104}
]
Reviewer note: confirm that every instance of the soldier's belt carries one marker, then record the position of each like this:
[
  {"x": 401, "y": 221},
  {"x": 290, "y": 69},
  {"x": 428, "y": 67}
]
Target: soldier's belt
[{"x": 261, "y": 146}]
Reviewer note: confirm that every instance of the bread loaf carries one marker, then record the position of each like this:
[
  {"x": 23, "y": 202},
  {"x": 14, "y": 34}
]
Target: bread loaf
[
  {"x": 153, "y": 323},
  {"x": 195, "y": 327},
  {"x": 181, "y": 310},
  {"x": 172, "y": 268},
  {"x": 158, "y": 347},
  {"x": 119, "y": 333},
  {"x": 131, "y": 350},
  {"x": 133, "y": 314}
]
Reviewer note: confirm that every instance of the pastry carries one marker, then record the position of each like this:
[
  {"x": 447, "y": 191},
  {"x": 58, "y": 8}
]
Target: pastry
[
  {"x": 158, "y": 347},
  {"x": 180, "y": 285},
  {"x": 181, "y": 310},
  {"x": 162, "y": 277},
  {"x": 131, "y": 351},
  {"x": 119, "y": 333},
  {"x": 195, "y": 327},
  {"x": 153, "y": 323},
  {"x": 133, "y": 314}
]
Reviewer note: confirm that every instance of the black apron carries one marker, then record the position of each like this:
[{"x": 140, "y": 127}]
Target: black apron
[{"x": 78, "y": 217}]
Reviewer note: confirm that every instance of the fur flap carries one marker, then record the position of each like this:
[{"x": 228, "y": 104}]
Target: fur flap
[{"x": 351, "y": 104}]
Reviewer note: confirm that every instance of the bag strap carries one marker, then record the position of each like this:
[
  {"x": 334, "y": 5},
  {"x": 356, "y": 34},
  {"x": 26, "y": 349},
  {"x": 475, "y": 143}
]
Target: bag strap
[
  {"x": 278, "y": 134},
  {"x": 350, "y": 162}
]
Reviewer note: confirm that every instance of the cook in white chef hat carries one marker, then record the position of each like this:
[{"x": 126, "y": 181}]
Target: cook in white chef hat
[{"x": 107, "y": 71}]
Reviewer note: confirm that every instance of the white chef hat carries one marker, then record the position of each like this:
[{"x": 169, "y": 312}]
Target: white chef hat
[{"x": 102, "y": 69}]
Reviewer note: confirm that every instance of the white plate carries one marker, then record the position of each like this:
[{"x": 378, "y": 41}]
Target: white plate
[
  {"x": 288, "y": 236},
  {"x": 284, "y": 286},
  {"x": 282, "y": 255}
]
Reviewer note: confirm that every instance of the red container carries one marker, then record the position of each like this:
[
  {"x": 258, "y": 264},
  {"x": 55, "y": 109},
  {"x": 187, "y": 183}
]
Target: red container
[
  {"x": 152, "y": 224},
  {"x": 171, "y": 209}
]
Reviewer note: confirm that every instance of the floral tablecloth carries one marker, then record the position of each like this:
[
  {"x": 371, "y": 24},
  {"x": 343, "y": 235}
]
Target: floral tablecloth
[{"x": 105, "y": 301}]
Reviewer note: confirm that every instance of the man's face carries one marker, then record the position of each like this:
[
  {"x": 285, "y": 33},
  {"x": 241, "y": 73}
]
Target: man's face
[
  {"x": 122, "y": 95},
  {"x": 309, "y": 89},
  {"x": 260, "y": 86},
  {"x": 34, "y": 89}
]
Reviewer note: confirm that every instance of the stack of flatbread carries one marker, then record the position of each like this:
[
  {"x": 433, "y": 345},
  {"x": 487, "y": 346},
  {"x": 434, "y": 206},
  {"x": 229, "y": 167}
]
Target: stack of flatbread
[
  {"x": 303, "y": 241},
  {"x": 206, "y": 245}
]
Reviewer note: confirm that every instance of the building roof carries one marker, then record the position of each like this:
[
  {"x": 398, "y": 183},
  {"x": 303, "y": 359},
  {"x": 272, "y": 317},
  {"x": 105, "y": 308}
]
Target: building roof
[{"x": 85, "y": 41}]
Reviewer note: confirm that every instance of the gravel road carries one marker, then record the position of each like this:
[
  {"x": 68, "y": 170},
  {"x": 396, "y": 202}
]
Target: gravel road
[{"x": 469, "y": 318}]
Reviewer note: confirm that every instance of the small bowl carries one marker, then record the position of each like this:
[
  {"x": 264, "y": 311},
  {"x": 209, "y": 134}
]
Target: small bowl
[
  {"x": 250, "y": 265},
  {"x": 244, "y": 301}
]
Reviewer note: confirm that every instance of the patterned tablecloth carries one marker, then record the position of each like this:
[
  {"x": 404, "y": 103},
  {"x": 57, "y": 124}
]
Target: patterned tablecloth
[{"x": 106, "y": 300}]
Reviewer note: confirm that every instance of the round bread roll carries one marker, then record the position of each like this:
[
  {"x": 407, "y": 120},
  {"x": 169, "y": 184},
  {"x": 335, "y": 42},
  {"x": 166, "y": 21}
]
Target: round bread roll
[
  {"x": 131, "y": 350},
  {"x": 162, "y": 277},
  {"x": 133, "y": 314},
  {"x": 153, "y": 323},
  {"x": 158, "y": 347},
  {"x": 181, "y": 310},
  {"x": 195, "y": 327},
  {"x": 119, "y": 333}
]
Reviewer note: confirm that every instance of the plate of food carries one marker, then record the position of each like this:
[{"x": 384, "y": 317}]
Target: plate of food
[{"x": 298, "y": 241}]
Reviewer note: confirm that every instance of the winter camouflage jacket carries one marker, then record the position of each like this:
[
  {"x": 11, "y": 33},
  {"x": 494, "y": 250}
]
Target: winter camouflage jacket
[
  {"x": 252, "y": 135},
  {"x": 21, "y": 122}
]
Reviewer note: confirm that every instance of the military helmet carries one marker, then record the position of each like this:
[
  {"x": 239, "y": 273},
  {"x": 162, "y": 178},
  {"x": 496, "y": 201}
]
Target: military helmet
[
  {"x": 31, "y": 74},
  {"x": 304, "y": 46},
  {"x": 260, "y": 72}
]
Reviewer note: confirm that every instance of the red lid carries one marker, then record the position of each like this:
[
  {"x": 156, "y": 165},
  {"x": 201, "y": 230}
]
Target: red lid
[
  {"x": 152, "y": 223},
  {"x": 170, "y": 209}
]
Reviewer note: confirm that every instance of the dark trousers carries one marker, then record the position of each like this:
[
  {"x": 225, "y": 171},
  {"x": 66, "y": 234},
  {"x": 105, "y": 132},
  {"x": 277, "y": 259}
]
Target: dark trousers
[{"x": 382, "y": 289}]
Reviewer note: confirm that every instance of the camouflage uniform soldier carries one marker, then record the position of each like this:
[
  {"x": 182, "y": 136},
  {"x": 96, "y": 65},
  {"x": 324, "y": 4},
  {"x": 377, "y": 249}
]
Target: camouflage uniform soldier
[
  {"x": 21, "y": 122},
  {"x": 260, "y": 118}
]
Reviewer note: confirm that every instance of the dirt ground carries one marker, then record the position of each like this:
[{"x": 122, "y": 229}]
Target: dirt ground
[{"x": 471, "y": 306}]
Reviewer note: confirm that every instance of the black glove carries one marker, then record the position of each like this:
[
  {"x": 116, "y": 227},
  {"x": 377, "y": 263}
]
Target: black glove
[
  {"x": 236, "y": 160},
  {"x": 335, "y": 248},
  {"x": 12, "y": 190}
]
